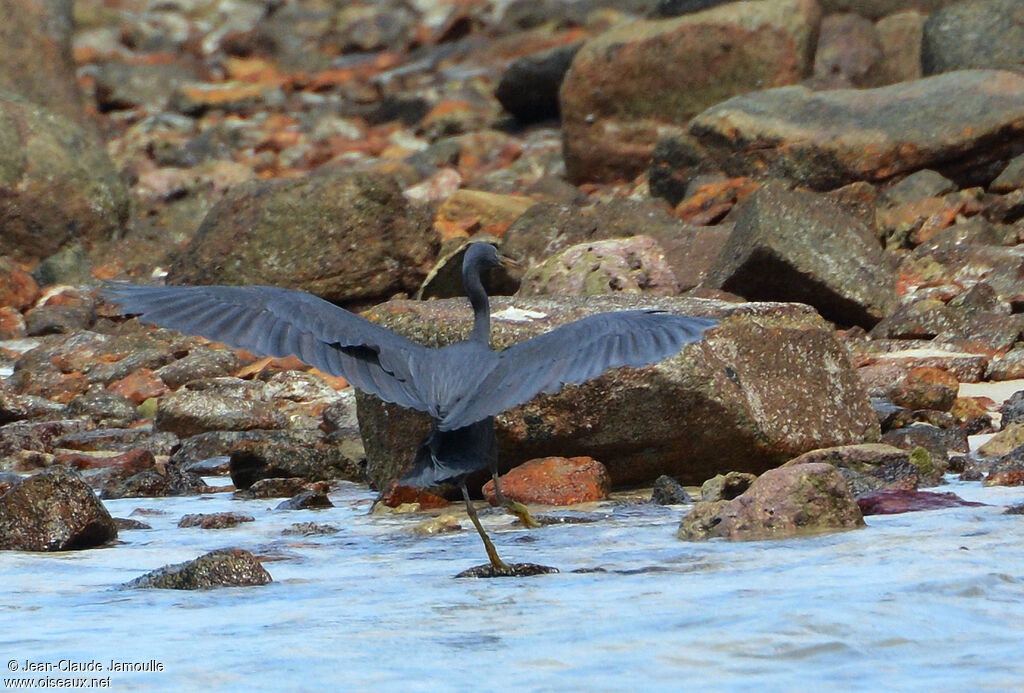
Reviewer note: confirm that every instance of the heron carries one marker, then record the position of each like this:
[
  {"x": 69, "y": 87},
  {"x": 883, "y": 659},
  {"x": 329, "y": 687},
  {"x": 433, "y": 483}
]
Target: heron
[{"x": 462, "y": 386}]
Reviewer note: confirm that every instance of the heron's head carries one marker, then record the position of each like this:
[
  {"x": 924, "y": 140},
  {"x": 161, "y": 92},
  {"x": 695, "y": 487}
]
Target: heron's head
[{"x": 484, "y": 256}]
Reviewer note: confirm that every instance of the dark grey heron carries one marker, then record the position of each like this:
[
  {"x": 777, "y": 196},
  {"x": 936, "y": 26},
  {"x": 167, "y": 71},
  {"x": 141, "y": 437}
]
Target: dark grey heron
[{"x": 462, "y": 386}]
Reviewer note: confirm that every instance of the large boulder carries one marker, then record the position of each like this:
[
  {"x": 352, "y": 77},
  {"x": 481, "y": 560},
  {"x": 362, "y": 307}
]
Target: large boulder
[
  {"x": 57, "y": 185},
  {"x": 967, "y": 125},
  {"x": 791, "y": 245},
  {"x": 53, "y": 511},
  {"x": 767, "y": 384},
  {"x": 628, "y": 86},
  {"x": 342, "y": 235}
]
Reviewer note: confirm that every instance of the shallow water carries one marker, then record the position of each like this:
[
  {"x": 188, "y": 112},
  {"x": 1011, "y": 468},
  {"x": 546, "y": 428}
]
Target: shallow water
[{"x": 929, "y": 599}]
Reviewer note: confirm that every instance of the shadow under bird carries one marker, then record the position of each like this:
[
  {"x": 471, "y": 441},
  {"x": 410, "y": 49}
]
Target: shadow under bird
[{"x": 462, "y": 385}]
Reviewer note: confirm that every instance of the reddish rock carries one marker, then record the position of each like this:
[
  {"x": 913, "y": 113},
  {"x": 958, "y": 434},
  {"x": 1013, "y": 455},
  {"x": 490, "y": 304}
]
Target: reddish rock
[
  {"x": 17, "y": 287},
  {"x": 554, "y": 481},
  {"x": 787, "y": 501},
  {"x": 12, "y": 323},
  {"x": 469, "y": 212},
  {"x": 711, "y": 201},
  {"x": 892, "y": 502},
  {"x": 129, "y": 463},
  {"x": 397, "y": 494},
  {"x": 139, "y": 386},
  {"x": 927, "y": 388}
]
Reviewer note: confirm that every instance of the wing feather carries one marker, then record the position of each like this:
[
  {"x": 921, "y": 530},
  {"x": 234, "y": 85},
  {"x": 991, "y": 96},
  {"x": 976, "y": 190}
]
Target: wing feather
[
  {"x": 575, "y": 353},
  {"x": 276, "y": 322}
]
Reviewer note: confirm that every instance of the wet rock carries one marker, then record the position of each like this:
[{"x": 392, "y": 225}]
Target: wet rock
[
  {"x": 528, "y": 88},
  {"x": 220, "y": 568},
  {"x": 46, "y": 158},
  {"x": 514, "y": 570},
  {"x": 35, "y": 55},
  {"x": 214, "y": 520},
  {"x": 343, "y": 236},
  {"x": 1017, "y": 509},
  {"x": 310, "y": 529},
  {"x": 313, "y": 499},
  {"x": 277, "y": 487},
  {"x": 975, "y": 33},
  {"x": 186, "y": 413},
  {"x": 725, "y": 486},
  {"x": 788, "y": 501},
  {"x": 629, "y": 265},
  {"x": 789, "y": 245},
  {"x": 830, "y": 138},
  {"x": 53, "y": 511},
  {"x": 127, "y": 523},
  {"x": 157, "y": 482},
  {"x": 1007, "y": 470},
  {"x": 104, "y": 408},
  {"x": 631, "y": 84},
  {"x": 292, "y": 454},
  {"x": 769, "y": 383},
  {"x": 892, "y": 502},
  {"x": 553, "y": 481},
  {"x": 396, "y": 495},
  {"x": 668, "y": 491}
]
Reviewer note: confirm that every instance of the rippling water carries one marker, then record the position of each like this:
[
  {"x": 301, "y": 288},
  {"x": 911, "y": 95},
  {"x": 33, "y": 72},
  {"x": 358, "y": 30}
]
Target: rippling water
[{"x": 915, "y": 601}]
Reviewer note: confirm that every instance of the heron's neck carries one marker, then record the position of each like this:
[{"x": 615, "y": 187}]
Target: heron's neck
[{"x": 481, "y": 308}]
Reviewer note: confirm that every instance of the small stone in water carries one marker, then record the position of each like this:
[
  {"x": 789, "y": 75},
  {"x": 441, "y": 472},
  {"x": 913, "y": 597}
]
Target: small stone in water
[
  {"x": 516, "y": 570},
  {"x": 309, "y": 529}
]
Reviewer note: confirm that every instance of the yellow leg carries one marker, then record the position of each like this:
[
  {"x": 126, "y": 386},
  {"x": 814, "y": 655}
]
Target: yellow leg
[
  {"x": 514, "y": 507},
  {"x": 492, "y": 553}
]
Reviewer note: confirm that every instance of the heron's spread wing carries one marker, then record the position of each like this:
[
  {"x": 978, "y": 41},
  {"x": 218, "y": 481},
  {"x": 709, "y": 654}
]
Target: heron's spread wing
[
  {"x": 575, "y": 353},
  {"x": 278, "y": 322}
]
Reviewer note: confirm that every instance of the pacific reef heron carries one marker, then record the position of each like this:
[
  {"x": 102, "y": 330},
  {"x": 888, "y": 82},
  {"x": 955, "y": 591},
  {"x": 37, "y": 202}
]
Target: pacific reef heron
[{"x": 462, "y": 385}]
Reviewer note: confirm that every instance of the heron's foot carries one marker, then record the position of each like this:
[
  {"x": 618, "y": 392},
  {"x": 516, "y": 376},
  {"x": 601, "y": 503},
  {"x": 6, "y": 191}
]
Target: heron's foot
[{"x": 522, "y": 512}]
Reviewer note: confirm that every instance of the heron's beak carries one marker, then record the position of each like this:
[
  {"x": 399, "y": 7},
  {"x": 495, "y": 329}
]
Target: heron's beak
[{"x": 508, "y": 263}]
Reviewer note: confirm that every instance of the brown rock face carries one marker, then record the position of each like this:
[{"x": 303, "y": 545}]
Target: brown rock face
[
  {"x": 963, "y": 124},
  {"x": 628, "y": 85},
  {"x": 53, "y": 511},
  {"x": 344, "y": 236},
  {"x": 769, "y": 383},
  {"x": 788, "y": 501},
  {"x": 554, "y": 481}
]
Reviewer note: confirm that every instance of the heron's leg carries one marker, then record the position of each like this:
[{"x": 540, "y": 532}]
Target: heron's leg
[
  {"x": 492, "y": 553},
  {"x": 514, "y": 507}
]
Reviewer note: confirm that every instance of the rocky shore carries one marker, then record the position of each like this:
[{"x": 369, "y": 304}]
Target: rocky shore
[{"x": 841, "y": 184}]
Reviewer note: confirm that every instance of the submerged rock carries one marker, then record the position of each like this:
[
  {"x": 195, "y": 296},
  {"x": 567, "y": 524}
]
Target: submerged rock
[
  {"x": 53, "y": 511},
  {"x": 224, "y": 520},
  {"x": 220, "y": 568},
  {"x": 788, "y": 501},
  {"x": 894, "y": 501},
  {"x": 314, "y": 498},
  {"x": 515, "y": 570}
]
